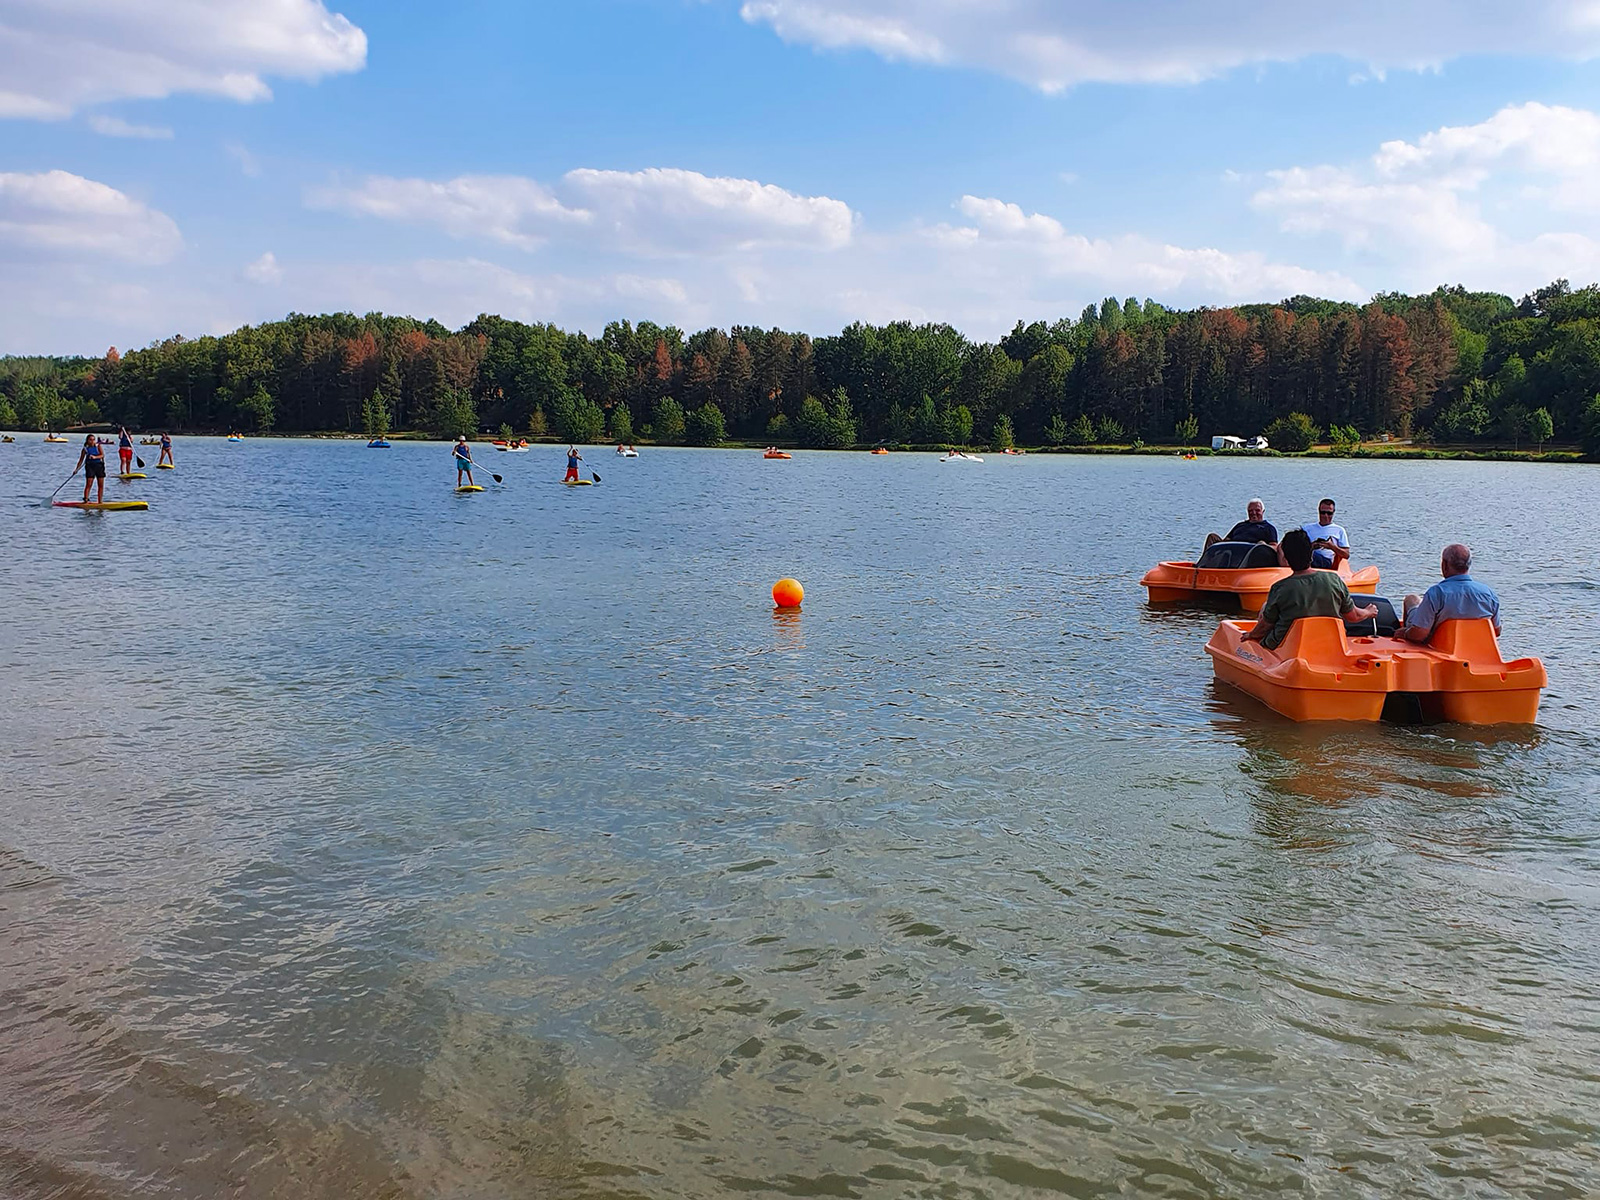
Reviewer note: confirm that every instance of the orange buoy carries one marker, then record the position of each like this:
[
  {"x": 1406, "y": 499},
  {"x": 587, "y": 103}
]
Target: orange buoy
[{"x": 787, "y": 593}]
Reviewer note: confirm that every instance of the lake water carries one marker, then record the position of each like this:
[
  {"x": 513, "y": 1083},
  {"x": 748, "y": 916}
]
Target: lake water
[{"x": 360, "y": 839}]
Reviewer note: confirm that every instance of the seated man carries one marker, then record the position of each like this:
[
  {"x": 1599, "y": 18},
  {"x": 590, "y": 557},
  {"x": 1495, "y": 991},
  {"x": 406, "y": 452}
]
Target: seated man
[
  {"x": 1306, "y": 593},
  {"x": 1254, "y": 528},
  {"x": 1329, "y": 545},
  {"x": 1456, "y": 597}
]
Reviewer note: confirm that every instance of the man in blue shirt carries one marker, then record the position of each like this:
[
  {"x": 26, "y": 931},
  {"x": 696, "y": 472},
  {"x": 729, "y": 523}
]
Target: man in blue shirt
[{"x": 1456, "y": 597}]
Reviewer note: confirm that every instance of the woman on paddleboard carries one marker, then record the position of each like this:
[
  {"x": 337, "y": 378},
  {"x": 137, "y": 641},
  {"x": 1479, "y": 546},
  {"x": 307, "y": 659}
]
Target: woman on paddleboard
[
  {"x": 573, "y": 458},
  {"x": 463, "y": 457},
  {"x": 125, "y": 449},
  {"x": 166, "y": 450},
  {"x": 92, "y": 458}
]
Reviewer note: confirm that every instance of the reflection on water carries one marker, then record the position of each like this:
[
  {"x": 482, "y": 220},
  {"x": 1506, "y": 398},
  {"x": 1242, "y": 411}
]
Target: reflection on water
[{"x": 363, "y": 843}]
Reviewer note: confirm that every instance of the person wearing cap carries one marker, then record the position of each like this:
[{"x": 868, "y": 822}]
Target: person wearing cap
[
  {"x": 463, "y": 457},
  {"x": 1456, "y": 597},
  {"x": 1330, "y": 546}
]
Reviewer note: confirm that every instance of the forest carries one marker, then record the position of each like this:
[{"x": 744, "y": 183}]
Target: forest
[{"x": 1452, "y": 367}]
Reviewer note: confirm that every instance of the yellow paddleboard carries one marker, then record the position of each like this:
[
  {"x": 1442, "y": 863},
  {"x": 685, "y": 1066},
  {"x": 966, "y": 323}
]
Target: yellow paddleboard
[
  {"x": 166, "y": 466},
  {"x": 471, "y": 487},
  {"x": 133, "y": 475},
  {"x": 105, "y": 506},
  {"x": 578, "y": 482}
]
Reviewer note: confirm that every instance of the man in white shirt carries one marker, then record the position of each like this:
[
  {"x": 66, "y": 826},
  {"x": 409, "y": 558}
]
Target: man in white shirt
[{"x": 1330, "y": 546}]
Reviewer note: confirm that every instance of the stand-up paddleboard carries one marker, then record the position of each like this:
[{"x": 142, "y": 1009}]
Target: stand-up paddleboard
[
  {"x": 133, "y": 475},
  {"x": 470, "y": 487},
  {"x": 166, "y": 466},
  {"x": 578, "y": 482},
  {"x": 103, "y": 505}
]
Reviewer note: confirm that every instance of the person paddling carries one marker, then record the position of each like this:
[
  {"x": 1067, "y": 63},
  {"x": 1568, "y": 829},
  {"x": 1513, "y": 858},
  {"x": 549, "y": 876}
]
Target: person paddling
[
  {"x": 463, "y": 457},
  {"x": 166, "y": 450},
  {"x": 92, "y": 458},
  {"x": 125, "y": 449},
  {"x": 573, "y": 459}
]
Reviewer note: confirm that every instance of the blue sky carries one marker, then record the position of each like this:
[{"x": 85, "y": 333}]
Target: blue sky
[{"x": 190, "y": 165}]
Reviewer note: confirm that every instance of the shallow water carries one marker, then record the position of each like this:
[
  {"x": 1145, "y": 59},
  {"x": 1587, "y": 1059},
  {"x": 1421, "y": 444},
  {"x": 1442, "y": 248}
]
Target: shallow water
[{"x": 360, "y": 839}]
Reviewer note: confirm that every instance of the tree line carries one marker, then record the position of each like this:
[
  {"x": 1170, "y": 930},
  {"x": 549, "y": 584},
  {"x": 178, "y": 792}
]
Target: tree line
[{"x": 1452, "y": 366}]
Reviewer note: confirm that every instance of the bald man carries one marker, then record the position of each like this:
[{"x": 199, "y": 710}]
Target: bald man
[{"x": 1456, "y": 597}]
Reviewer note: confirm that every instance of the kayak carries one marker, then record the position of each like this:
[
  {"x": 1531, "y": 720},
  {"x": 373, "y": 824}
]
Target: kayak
[
  {"x": 149, "y": 441},
  {"x": 470, "y": 487},
  {"x": 513, "y": 449},
  {"x": 627, "y": 454},
  {"x": 1323, "y": 673},
  {"x": 880, "y": 450},
  {"x": 104, "y": 505},
  {"x": 578, "y": 482},
  {"x": 58, "y": 441},
  {"x": 1242, "y": 570},
  {"x": 166, "y": 466},
  {"x": 775, "y": 454},
  {"x": 236, "y": 439},
  {"x": 132, "y": 475},
  {"x": 377, "y": 444},
  {"x": 961, "y": 458}
]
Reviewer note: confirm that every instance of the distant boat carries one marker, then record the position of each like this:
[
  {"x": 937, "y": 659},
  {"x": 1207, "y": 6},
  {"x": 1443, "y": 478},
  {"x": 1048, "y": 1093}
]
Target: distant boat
[{"x": 374, "y": 444}]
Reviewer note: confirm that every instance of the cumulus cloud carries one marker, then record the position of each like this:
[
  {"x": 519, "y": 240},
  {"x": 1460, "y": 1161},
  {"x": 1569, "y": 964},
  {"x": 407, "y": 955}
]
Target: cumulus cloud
[
  {"x": 58, "y": 56},
  {"x": 656, "y": 212},
  {"x": 58, "y": 215},
  {"x": 117, "y": 127},
  {"x": 1487, "y": 200},
  {"x": 1055, "y": 44},
  {"x": 264, "y": 269}
]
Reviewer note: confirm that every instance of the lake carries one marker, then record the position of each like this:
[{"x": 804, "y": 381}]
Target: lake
[{"x": 363, "y": 839}]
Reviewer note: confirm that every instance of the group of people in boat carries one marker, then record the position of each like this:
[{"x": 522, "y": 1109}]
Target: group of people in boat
[{"x": 1314, "y": 587}]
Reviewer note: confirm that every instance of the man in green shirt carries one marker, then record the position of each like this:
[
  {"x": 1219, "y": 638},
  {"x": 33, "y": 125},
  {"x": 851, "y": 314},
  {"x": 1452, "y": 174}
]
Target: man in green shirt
[{"x": 1306, "y": 593}]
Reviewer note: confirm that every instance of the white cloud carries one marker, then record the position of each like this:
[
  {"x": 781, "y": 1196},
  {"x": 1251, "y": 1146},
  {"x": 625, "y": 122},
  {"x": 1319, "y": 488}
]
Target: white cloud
[
  {"x": 1484, "y": 202},
  {"x": 502, "y": 208},
  {"x": 1055, "y": 44},
  {"x": 58, "y": 215},
  {"x": 249, "y": 164},
  {"x": 58, "y": 56},
  {"x": 117, "y": 127},
  {"x": 264, "y": 269},
  {"x": 656, "y": 212}
]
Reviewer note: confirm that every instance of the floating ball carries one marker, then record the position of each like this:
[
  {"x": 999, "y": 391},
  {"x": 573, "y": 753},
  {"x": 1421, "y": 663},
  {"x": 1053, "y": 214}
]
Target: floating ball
[{"x": 787, "y": 593}]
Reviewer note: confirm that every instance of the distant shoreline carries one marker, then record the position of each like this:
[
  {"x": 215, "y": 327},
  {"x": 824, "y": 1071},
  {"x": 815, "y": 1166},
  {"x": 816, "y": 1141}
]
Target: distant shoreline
[{"x": 1375, "y": 451}]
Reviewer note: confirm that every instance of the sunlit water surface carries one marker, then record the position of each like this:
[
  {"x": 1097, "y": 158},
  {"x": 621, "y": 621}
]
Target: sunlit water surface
[{"x": 360, "y": 839}]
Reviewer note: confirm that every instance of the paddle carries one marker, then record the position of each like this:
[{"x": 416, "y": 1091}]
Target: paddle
[
  {"x": 594, "y": 474},
  {"x": 57, "y": 492}
]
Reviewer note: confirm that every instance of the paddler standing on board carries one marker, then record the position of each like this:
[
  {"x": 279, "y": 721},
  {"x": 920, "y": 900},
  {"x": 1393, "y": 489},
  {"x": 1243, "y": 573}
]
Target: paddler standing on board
[
  {"x": 166, "y": 450},
  {"x": 573, "y": 459},
  {"x": 92, "y": 458},
  {"x": 463, "y": 457},
  {"x": 125, "y": 449}
]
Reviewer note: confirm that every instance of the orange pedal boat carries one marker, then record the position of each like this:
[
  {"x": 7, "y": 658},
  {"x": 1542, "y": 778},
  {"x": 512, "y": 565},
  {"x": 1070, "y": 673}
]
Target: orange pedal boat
[
  {"x": 1322, "y": 672},
  {"x": 775, "y": 454},
  {"x": 1243, "y": 570}
]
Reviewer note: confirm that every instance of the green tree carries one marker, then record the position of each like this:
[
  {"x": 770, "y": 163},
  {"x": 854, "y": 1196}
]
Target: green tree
[
  {"x": 705, "y": 426},
  {"x": 8, "y": 415},
  {"x": 451, "y": 415},
  {"x": 1541, "y": 428},
  {"x": 1294, "y": 433},
  {"x": 1055, "y": 430},
  {"x": 1081, "y": 431},
  {"x": 1514, "y": 424},
  {"x": 841, "y": 419},
  {"x": 1110, "y": 431},
  {"x": 668, "y": 421},
  {"x": 375, "y": 415},
  {"x": 537, "y": 425},
  {"x": 1002, "y": 438},
  {"x": 958, "y": 425},
  {"x": 778, "y": 428},
  {"x": 1591, "y": 429},
  {"x": 621, "y": 423},
  {"x": 256, "y": 410},
  {"x": 581, "y": 421},
  {"x": 1187, "y": 431}
]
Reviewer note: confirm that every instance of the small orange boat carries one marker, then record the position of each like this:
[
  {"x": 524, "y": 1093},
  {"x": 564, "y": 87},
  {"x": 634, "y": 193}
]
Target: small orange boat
[
  {"x": 1244, "y": 570},
  {"x": 1322, "y": 672},
  {"x": 879, "y": 450},
  {"x": 775, "y": 454}
]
